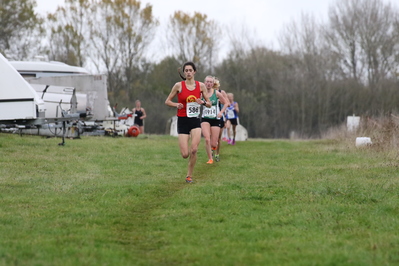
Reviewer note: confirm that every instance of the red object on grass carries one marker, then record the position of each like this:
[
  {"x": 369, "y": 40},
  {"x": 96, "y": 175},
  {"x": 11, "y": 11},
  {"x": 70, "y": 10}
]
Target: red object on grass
[{"x": 133, "y": 131}]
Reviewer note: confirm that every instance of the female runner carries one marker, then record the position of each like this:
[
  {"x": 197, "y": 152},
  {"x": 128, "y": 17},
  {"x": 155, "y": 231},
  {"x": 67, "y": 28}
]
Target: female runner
[
  {"x": 232, "y": 118},
  {"x": 222, "y": 120},
  {"x": 212, "y": 118},
  {"x": 188, "y": 103}
]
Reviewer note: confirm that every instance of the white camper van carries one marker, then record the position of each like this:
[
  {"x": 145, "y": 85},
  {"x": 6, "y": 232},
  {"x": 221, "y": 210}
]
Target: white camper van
[
  {"x": 73, "y": 89},
  {"x": 18, "y": 100},
  {"x": 91, "y": 90},
  {"x": 53, "y": 95},
  {"x": 37, "y": 69}
]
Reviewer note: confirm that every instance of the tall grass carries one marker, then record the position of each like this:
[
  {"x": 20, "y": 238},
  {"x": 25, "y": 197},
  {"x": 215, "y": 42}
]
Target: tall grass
[
  {"x": 123, "y": 201},
  {"x": 383, "y": 131}
]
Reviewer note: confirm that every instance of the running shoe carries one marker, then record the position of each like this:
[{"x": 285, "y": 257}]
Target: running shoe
[
  {"x": 233, "y": 142},
  {"x": 210, "y": 161},
  {"x": 217, "y": 158},
  {"x": 189, "y": 180}
]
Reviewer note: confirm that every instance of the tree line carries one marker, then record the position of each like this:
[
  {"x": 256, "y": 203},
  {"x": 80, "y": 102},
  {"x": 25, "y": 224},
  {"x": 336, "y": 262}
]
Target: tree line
[{"x": 323, "y": 72}]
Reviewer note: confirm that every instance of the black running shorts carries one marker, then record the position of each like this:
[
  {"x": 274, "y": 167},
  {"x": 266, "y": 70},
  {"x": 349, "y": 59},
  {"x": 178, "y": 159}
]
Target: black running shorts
[
  {"x": 186, "y": 124},
  {"x": 222, "y": 122},
  {"x": 138, "y": 122},
  {"x": 212, "y": 122},
  {"x": 233, "y": 121}
]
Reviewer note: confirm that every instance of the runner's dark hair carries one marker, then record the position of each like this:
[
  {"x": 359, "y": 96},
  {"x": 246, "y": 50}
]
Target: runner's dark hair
[
  {"x": 181, "y": 76},
  {"x": 189, "y": 63}
]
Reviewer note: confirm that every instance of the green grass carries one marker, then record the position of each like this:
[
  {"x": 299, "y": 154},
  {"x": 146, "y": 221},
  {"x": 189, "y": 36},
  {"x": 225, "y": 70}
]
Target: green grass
[{"x": 123, "y": 201}]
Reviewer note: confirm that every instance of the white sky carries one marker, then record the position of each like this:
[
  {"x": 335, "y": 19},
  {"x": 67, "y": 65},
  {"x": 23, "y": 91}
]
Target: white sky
[{"x": 265, "y": 17}]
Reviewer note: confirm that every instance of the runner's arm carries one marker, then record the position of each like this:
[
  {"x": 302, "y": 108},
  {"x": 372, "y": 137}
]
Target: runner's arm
[
  {"x": 175, "y": 89},
  {"x": 205, "y": 95},
  {"x": 223, "y": 100},
  {"x": 236, "y": 107},
  {"x": 225, "y": 96}
]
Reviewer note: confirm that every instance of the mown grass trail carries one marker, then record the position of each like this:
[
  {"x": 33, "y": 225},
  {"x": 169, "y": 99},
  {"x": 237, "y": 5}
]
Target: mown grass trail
[{"x": 123, "y": 201}]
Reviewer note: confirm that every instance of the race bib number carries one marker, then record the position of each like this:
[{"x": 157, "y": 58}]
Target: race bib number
[
  {"x": 230, "y": 113},
  {"x": 209, "y": 112},
  {"x": 193, "y": 109}
]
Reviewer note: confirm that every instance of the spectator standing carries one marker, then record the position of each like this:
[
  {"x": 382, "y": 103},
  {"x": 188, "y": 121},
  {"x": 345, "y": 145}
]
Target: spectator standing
[{"x": 139, "y": 115}]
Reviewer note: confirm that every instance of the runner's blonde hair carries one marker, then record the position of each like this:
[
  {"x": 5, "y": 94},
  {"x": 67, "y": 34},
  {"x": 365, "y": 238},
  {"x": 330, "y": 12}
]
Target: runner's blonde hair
[{"x": 216, "y": 82}]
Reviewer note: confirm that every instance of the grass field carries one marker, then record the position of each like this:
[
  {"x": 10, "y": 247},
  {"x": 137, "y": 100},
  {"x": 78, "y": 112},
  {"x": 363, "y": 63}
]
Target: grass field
[{"x": 123, "y": 201}]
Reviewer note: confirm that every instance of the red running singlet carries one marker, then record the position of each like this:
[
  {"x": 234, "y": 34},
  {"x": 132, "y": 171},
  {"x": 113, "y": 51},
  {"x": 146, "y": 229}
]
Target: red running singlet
[{"x": 186, "y": 96}]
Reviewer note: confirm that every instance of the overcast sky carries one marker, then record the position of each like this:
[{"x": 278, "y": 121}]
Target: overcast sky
[{"x": 265, "y": 17}]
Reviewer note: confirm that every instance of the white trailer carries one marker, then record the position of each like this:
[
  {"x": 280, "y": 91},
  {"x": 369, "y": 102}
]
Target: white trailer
[
  {"x": 54, "y": 80},
  {"x": 69, "y": 94},
  {"x": 19, "y": 102},
  {"x": 93, "y": 86},
  {"x": 37, "y": 69}
]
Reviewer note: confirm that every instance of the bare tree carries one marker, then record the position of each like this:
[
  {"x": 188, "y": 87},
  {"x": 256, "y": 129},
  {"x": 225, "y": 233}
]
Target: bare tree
[
  {"x": 303, "y": 44},
  {"x": 343, "y": 37},
  {"x": 361, "y": 35},
  {"x": 378, "y": 39},
  {"x": 241, "y": 38}
]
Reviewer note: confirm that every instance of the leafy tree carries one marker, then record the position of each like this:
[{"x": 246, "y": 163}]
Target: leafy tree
[
  {"x": 68, "y": 32},
  {"x": 20, "y": 29},
  {"x": 164, "y": 75},
  {"x": 120, "y": 31},
  {"x": 249, "y": 76},
  {"x": 194, "y": 38},
  {"x": 160, "y": 81}
]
